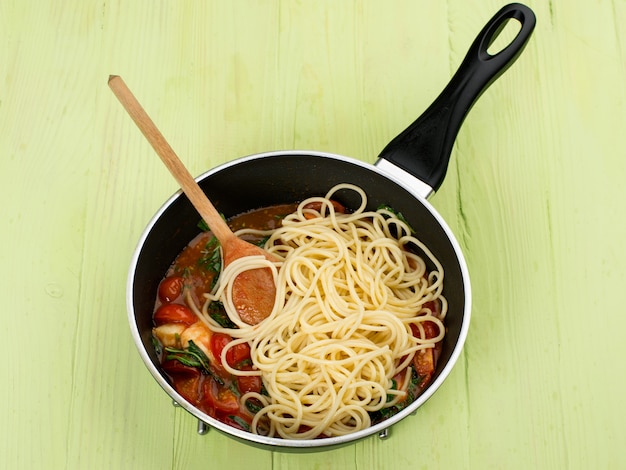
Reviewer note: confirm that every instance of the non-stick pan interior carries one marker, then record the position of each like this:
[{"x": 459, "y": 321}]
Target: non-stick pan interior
[{"x": 274, "y": 178}]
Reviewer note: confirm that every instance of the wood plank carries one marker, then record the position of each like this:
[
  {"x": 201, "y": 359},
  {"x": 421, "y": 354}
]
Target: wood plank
[{"x": 534, "y": 194}]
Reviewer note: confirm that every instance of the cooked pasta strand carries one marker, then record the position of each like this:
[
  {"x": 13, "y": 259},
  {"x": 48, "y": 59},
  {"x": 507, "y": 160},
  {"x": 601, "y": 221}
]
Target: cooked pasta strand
[{"x": 348, "y": 289}]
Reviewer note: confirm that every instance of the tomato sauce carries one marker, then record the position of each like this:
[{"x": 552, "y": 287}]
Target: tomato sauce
[{"x": 189, "y": 352}]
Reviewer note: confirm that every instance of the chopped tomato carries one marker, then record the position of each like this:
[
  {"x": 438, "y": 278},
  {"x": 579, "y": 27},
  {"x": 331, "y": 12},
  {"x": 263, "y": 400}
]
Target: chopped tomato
[
  {"x": 176, "y": 368},
  {"x": 251, "y": 383},
  {"x": 227, "y": 401},
  {"x": 220, "y": 398},
  {"x": 317, "y": 206},
  {"x": 433, "y": 306},
  {"x": 218, "y": 343},
  {"x": 399, "y": 378},
  {"x": 424, "y": 362},
  {"x": 171, "y": 288},
  {"x": 186, "y": 379},
  {"x": 174, "y": 313},
  {"x": 430, "y": 330},
  {"x": 238, "y": 354}
]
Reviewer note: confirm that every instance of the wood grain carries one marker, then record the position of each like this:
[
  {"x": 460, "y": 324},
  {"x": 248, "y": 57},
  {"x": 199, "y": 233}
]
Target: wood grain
[{"x": 534, "y": 194}]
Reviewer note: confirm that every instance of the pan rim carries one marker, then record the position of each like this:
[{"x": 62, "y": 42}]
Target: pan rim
[{"x": 280, "y": 443}]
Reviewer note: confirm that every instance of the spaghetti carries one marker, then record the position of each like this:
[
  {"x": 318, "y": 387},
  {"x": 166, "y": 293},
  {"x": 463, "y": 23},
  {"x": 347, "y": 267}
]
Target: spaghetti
[{"x": 352, "y": 308}]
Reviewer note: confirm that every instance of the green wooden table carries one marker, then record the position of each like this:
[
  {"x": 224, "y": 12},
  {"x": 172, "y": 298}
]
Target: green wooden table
[{"x": 535, "y": 194}]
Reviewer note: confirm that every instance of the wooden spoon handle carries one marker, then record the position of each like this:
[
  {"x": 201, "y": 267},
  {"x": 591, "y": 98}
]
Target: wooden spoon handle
[{"x": 197, "y": 197}]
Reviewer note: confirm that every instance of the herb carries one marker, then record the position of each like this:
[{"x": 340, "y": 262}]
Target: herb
[
  {"x": 253, "y": 405},
  {"x": 412, "y": 392},
  {"x": 216, "y": 312},
  {"x": 202, "y": 225},
  {"x": 398, "y": 214},
  {"x": 413, "y": 389},
  {"x": 185, "y": 273},
  {"x": 241, "y": 422},
  {"x": 244, "y": 363},
  {"x": 233, "y": 388},
  {"x": 193, "y": 356},
  {"x": 383, "y": 414},
  {"x": 394, "y": 386},
  {"x": 416, "y": 384},
  {"x": 261, "y": 243},
  {"x": 211, "y": 260},
  {"x": 156, "y": 344}
]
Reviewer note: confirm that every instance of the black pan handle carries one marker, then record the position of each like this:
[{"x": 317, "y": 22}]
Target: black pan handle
[{"x": 423, "y": 149}]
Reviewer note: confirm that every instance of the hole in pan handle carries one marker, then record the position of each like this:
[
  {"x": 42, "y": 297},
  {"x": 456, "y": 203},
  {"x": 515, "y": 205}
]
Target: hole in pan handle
[{"x": 423, "y": 149}]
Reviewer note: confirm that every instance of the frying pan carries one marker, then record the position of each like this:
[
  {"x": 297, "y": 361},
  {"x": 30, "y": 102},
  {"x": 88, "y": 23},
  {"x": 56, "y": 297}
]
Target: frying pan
[{"x": 410, "y": 168}]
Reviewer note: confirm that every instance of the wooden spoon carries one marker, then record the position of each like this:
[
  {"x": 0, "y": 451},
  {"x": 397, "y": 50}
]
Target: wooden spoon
[{"x": 254, "y": 291}]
